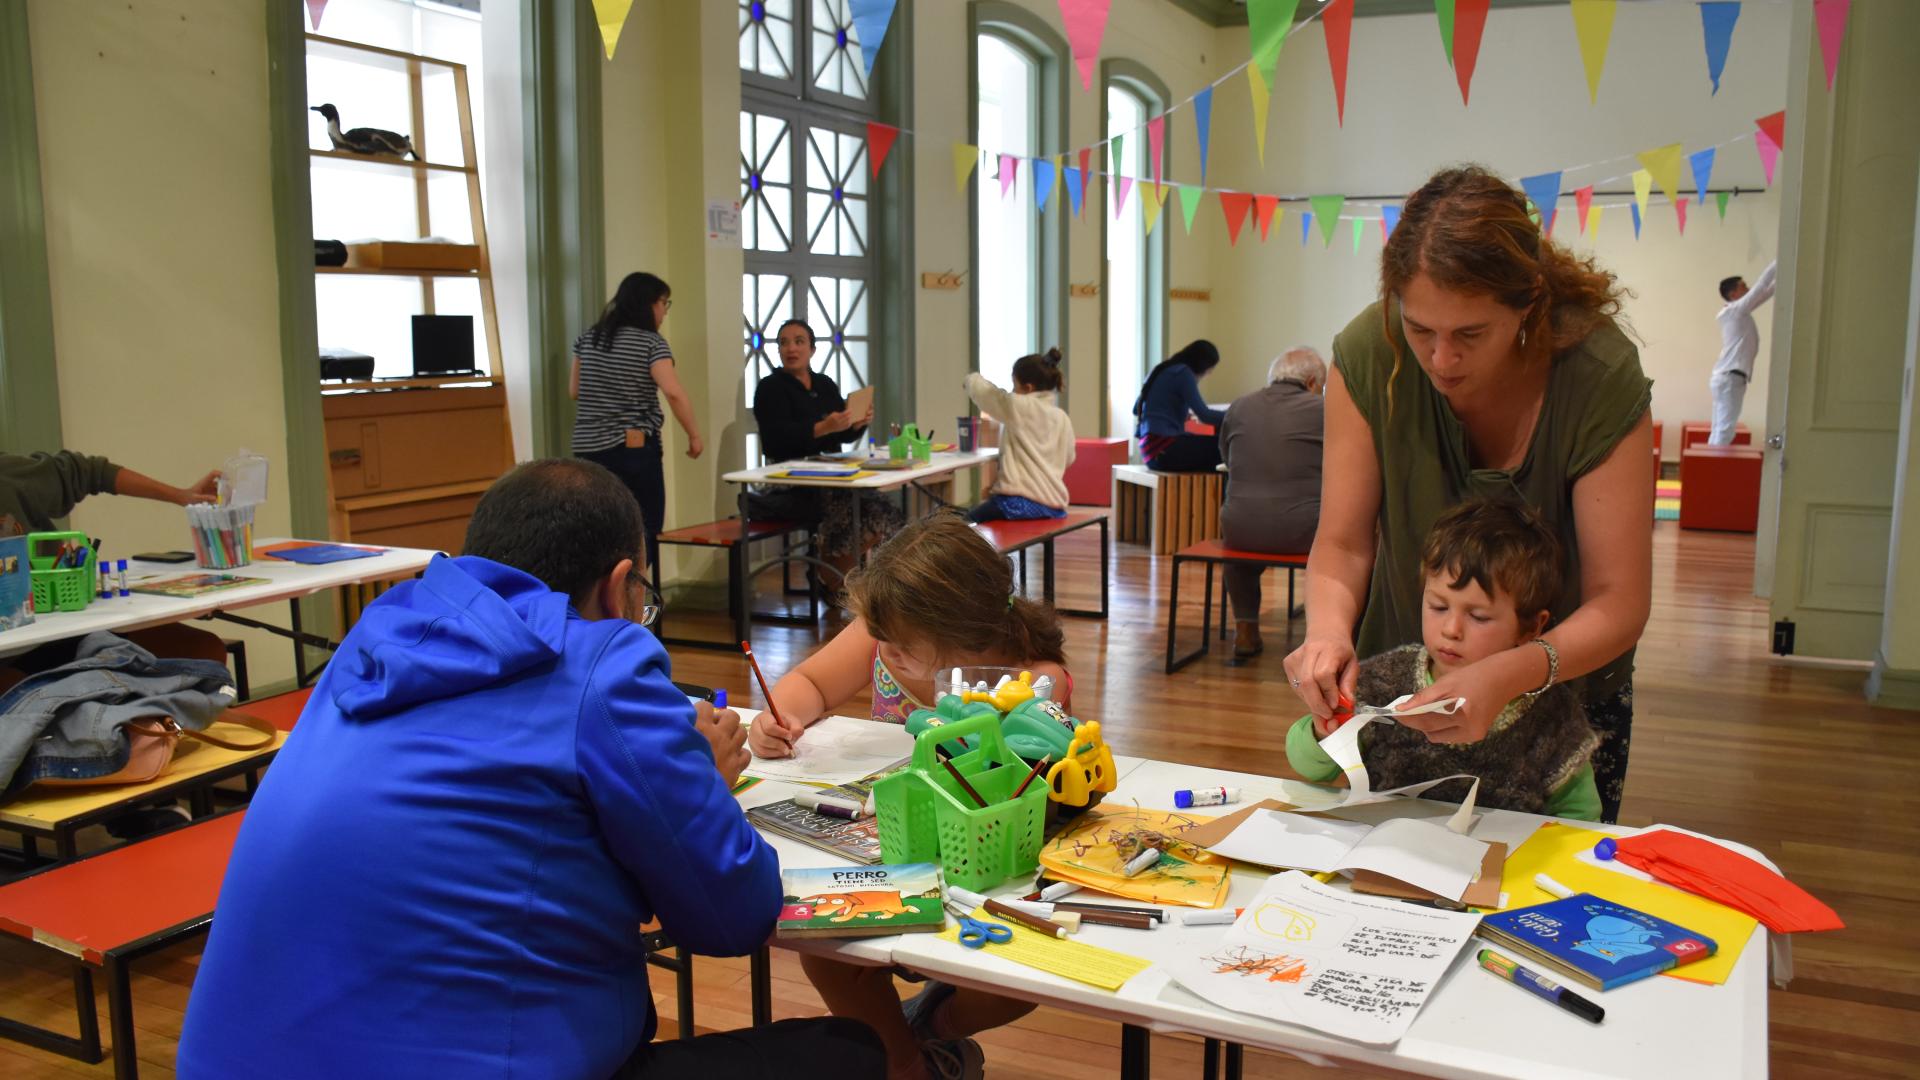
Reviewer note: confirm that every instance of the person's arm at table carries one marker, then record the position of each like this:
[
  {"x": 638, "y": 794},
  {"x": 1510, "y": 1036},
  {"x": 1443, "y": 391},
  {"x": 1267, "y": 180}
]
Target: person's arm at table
[
  {"x": 1194, "y": 401},
  {"x": 1340, "y": 566},
  {"x": 1612, "y": 520},
  {"x": 832, "y": 675}
]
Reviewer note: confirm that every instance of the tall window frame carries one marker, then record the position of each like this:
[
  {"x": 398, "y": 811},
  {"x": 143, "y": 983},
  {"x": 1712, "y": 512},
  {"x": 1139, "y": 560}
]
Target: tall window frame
[
  {"x": 1028, "y": 33},
  {"x": 1147, "y": 288}
]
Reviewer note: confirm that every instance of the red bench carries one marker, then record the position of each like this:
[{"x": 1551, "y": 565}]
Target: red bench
[
  {"x": 1212, "y": 553},
  {"x": 1010, "y": 537},
  {"x": 1720, "y": 488},
  {"x": 727, "y": 533}
]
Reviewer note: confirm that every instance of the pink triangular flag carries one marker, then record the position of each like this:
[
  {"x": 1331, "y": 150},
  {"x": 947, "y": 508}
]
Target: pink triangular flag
[
  {"x": 315, "y": 9},
  {"x": 879, "y": 140},
  {"x": 1234, "y": 204},
  {"x": 1769, "y": 154},
  {"x": 1830, "y": 16},
  {"x": 1680, "y": 208},
  {"x": 1122, "y": 185},
  {"x": 1156, "y": 138},
  {"x": 1775, "y": 125},
  {"x": 1263, "y": 207},
  {"x": 1086, "y": 23},
  {"x": 1009, "y": 166},
  {"x": 1583, "y": 201}
]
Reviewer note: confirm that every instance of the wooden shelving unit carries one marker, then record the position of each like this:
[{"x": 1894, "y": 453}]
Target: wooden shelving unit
[{"x": 381, "y": 271}]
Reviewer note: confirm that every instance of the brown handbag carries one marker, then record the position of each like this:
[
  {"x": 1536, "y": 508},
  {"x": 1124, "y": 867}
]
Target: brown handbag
[{"x": 150, "y": 744}]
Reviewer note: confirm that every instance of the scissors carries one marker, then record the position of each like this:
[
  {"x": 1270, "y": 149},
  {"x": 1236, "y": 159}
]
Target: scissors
[
  {"x": 976, "y": 933},
  {"x": 1346, "y": 710}
]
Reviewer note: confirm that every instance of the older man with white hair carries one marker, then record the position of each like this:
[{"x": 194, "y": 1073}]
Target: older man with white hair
[{"x": 1270, "y": 441}]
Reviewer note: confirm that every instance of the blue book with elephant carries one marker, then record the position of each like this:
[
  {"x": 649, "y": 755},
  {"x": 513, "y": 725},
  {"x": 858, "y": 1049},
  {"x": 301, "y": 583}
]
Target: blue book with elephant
[{"x": 1596, "y": 942}]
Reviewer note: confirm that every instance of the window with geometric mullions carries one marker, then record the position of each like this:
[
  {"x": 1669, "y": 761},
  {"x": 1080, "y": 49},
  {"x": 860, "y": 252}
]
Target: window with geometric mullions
[
  {"x": 836, "y": 193},
  {"x": 766, "y": 183},
  {"x": 839, "y": 307}
]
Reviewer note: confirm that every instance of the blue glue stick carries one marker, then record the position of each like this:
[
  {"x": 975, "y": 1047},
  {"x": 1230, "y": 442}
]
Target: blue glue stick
[
  {"x": 120, "y": 572},
  {"x": 1604, "y": 849},
  {"x": 720, "y": 698},
  {"x": 1213, "y": 796}
]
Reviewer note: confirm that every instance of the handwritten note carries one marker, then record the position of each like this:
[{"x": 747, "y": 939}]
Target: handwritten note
[
  {"x": 836, "y": 750},
  {"x": 1351, "y": 966}
]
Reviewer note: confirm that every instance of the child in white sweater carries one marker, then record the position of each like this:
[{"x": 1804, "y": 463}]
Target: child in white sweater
[{"x": 1036, "y": 446}]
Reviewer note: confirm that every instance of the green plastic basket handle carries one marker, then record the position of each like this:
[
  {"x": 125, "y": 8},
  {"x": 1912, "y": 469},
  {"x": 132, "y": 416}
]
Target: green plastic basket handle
[{"x": 985, "y": 727}]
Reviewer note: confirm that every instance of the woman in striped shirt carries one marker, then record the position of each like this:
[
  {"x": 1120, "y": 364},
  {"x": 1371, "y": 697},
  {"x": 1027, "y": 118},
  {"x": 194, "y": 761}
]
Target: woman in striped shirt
[{"x": 621, "y": 366}]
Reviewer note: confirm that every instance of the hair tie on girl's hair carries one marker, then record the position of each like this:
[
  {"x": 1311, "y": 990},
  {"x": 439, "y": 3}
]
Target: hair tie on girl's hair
[{"x": 1009, "y": 601}]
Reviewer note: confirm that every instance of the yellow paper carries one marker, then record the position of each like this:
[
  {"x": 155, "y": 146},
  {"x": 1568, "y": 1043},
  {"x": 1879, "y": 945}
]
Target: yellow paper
[
  {"x": 1663, "y": 165},
  {"x": 1095, "y": 852},
  {"x": 1261, "y": 98},
  {"x": 1064, "y": 957},
  {"x": 1593, "y": 25},
  {"x": 612, "y": 15},
  {"x": 1552, "y": 850},
  {"x": 849, "y": 478}
]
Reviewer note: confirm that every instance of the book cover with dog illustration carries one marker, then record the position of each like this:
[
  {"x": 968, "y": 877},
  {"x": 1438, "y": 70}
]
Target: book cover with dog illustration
[{"x": 860, "y": 901}]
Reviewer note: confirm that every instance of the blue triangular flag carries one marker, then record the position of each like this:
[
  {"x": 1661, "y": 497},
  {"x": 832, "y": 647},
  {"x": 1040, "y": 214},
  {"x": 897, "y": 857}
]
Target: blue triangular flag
[
  {"x": 1202, "y": 126},
  {"x": 1702, "y": 161},
  {"x": 1306, "y": 226},
  {"x": 1074, "y": 191},
  {"x": 1544, "y": 190},
  {"x": 1635, "y": 207},
  {"x": 1042, "y": 181},
  {"x": 870, "y": 19},
  {"x": 1716, "y": 21},
  {"x": 1390, "y": 216}
]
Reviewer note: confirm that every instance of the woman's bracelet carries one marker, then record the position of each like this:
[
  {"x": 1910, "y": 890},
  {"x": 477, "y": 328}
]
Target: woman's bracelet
[{"x": 1553, "y": 667}]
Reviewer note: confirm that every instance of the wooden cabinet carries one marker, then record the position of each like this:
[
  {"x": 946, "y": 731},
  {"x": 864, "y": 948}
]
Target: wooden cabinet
[{"x": 406, "y": 467}]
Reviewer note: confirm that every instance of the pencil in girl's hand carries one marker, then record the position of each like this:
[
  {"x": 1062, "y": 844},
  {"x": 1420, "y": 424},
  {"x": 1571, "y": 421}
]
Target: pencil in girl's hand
[{"x": 772, "y": 709}]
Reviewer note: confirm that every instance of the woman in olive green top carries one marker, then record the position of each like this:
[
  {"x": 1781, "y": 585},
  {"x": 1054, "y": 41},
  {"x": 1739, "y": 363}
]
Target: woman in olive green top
[{"x": 1490, "y": 366}]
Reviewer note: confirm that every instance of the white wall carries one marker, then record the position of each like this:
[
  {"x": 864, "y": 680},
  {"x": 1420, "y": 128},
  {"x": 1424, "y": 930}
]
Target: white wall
[
  {"x": 503, "y": 170},
  {"x": 1530, "y": 113}
]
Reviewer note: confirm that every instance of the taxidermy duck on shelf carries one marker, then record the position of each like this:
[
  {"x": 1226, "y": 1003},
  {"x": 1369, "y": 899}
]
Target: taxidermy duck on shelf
[{"x": 365, "y": 140}]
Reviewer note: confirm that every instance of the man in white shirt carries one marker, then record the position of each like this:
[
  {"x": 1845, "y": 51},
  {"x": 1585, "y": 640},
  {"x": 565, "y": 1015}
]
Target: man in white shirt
[{"x": 1739, "y": 344}]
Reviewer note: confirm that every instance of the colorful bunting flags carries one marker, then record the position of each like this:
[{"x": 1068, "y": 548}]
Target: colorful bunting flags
[
  {"x": 1469, "y": 22},
  {"x": 880, "y": 139},
  {"x": 1268, "y": 22},
  {"x": 1150, "y": 207},
  {"x": 1156, "y": 142},
  {"x": 1636, "y": 219},
  {"x": 1086, "y": 162},
  {"x": 1702, "y": 162},
  {"x": 1189, "y": 202},
  {"x": 1086, "y": 22},
  {"x": 1583, "y": 202},
  {"x": 1769, "y": 154},
  {"x": 1076, "y": 188},
  {"x": 1389, "y": 220},
  {"x": 1664, "y": 163},
  {"x": 1336, "y": 19},
  {"x": 1263, "y": 208},
  {"x": 1327, "y": 209},
  {"x": 1117, "y": 155},
  {"x": 1775, "y": 125},
  {"x": 1544, "y": 190},
  {"x": 1042, "y": 182},
  {"x": 1830, "y": 18},
  {"x": 964, "y": 160},
  {"x": 1593, "y": 26},
  {"x": 1261, "y": 97},
  {"x": 315, "y": 9},
  {"x": 1680, "y": 210},
  {"x": 1444, "y": 9},
  {"x": 1642, "y": 187},
  {"x": 1121, "y": 185},
  {"x": 1009, "y": 166},
  {"x": 1359, "y": 230},
  {"x": 1203, "y": 126},
  {"x": 1716, "y": 26},
  {"x": 1234, "y": 204},
  {"x": 870, "y": 20},
  {"x": 610, "y": 14},
  {"x": 1306, "y": 226},
  {"x": 1593, "y": 221},
  {"x": 1720, "y": 197}
]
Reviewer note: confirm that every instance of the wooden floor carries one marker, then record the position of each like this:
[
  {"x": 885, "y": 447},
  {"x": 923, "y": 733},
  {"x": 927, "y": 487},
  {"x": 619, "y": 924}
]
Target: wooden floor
[{"x": 1727, "y": 741}]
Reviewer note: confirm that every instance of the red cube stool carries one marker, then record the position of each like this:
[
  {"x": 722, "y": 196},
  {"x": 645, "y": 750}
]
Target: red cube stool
[
  {"x": 1090, "y": 477},
  {"x": 1720, "y": 488},
  {"x": 1697, "y": 432}
]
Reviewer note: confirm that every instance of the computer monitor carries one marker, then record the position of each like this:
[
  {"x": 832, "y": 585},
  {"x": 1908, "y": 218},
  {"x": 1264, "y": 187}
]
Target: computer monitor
[{"x": 443, "y": 345}]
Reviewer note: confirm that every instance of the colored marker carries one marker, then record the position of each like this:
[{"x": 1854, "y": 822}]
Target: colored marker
[
  {"x": 1216, "y": 917},
  {"x": 1213, "y": 796},
  {"x": 1141, "y": 861},
  {"x": 1551, "y": 887},
  {"x": 1541, "y": 986},
  {"x": 829, "y": 806}
]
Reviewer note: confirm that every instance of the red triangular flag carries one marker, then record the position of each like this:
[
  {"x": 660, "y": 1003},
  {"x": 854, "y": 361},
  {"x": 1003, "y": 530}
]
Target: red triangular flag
[
  {"x": 1337, "y": 19},
  {"x": 1234, "y": 204},
  {"x": 317, "y": 8},
  {"x": 1583, "y": 201},
  {"x": 879, "y": 140},
  {"x": 1680, "y": 208},
  {"x": 1775, "y": 125},
  {"x": 1469, "y": 21},
  {"x": 1086, "y": 156},
  {"x": 1263, "y": 207}
]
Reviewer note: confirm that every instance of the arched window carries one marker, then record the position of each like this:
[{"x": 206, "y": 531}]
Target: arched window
[{"x": 1135, "y": 287}]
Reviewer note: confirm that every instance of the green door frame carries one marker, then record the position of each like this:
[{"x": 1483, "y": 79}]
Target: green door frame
[{"x": 29, "y": 377}]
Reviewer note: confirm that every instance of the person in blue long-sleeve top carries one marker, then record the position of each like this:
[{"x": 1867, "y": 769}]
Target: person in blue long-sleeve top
[
  {"x": 494, "y": 785},
  {"x": 1170, "y": 395}
]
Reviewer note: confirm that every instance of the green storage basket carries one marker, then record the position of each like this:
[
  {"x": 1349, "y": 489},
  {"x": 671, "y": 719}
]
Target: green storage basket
[
  {"x": 70, "y": 589},
  {"x": 925, "y": 817}
]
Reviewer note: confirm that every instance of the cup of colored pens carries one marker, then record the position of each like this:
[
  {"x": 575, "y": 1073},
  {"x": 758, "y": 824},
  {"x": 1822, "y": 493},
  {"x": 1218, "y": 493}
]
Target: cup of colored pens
[{"x": 222, "y": 535}]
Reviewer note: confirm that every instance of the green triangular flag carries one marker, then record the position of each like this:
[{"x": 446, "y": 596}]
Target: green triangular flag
[
  {"x": 1189, "y": 202},
  {"x": 1720, "y": 197},
  {"x": 1359, "y": 229},
  {"x": 1444, "y": 9},
  {"x": 1117, "y": 142},
  {"x": 1326, "y": 210}
]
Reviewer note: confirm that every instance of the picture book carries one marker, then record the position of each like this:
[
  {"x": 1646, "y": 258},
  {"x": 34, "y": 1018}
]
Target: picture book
[
  {"x": 857, "y": 840},
  {"x": 192, "y": 584},
  {"x": 860, "y": 901},
  {"x": 1596, "y": 942},
  {"x": 16, "y": 583}
]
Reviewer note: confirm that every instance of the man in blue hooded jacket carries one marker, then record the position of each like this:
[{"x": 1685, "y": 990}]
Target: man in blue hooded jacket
[{"x": 494, "y": 785}]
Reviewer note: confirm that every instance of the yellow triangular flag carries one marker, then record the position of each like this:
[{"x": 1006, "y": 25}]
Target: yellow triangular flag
[
  {"x": 1642, "y": 186},
  {"x": 965, "y": 157},
  {"x": 1261, "y": 97},
  {"x": 1664, "y": 164},
  {"x": 1593, "y": 25},
  {"x": 1593, "y": 220},
  {"x": 1279, "y": 219},
  {"x": 612, "y": 15},
  {"x": 1151, "y": 206}
]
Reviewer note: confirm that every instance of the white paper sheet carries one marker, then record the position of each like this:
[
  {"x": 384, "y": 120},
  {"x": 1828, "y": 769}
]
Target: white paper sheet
[
  {"x": 1352, "y": 966},
  {"x": 1297, "y": 841},
  {"x": 1343, "y": 746},
  {"x": 836, "y": 750},
  {"x": 1421, "y": 853}
]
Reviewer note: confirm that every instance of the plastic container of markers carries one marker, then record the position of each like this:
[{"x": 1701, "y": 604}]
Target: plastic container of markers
[
  {"x": 58, "y": 588},
  {"x": 222, "y": 535},
  {"x": 925, "y": 816}
]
